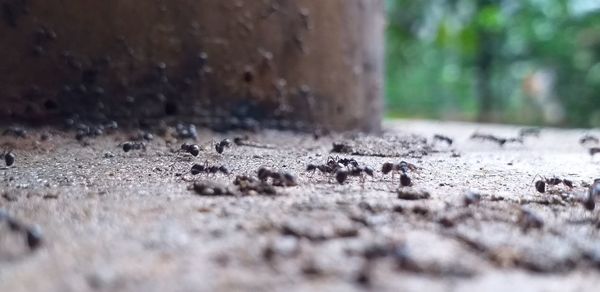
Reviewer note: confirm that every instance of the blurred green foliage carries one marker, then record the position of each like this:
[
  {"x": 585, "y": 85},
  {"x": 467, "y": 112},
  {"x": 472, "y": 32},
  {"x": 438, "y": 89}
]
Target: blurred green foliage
[{"x": 514, "y": 61}]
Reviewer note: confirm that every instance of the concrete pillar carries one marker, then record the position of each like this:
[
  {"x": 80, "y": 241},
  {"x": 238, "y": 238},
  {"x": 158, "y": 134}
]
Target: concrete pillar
[{"x": 317, "y": 62}]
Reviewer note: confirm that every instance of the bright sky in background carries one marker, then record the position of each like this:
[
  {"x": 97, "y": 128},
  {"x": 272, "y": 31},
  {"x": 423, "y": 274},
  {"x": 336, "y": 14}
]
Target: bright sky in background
[{"x": 584, "y": 6}]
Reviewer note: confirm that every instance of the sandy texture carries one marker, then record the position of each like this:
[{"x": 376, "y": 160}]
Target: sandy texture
[{"x": 116, "y": 221}]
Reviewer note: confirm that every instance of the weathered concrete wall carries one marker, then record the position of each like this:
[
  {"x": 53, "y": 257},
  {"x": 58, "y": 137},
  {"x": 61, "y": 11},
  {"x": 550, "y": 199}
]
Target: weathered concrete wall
[{"x": 306, "y": 60}]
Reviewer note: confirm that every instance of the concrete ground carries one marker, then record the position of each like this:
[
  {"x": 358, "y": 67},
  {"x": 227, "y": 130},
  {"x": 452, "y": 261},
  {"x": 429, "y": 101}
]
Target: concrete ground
[{"x": 115, "y": 221}]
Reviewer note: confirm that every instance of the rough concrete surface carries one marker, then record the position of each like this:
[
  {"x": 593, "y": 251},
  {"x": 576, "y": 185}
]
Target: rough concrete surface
[{"x": 115, "y": 221}]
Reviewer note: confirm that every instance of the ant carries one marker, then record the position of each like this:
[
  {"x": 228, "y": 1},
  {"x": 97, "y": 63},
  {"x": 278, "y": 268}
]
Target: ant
[
  {"x": 241, "y": 141},
  {"x": 323, "y": 168},
  {"x": 129, "y": 146},
  {"x": 193, "y": 149},
  {"x": 501, "y": 141},
  {"x": 220, "y": 147},
  {"x": 341, "y": 162},
  {"x": 336, "y": 166},
  {"x": 530, "y": 132},
  {"x": 405, "y": 180},
  {"x": 330, "y": 167},
  {"x": 443, "y": 138},
  {"x": 9, "y": 158},
  {"x": 200, "y": 168},
  {"x": 313, "y": 167},
  {"x": 594, "y": 191},
  {"x": 594, "y": 150},
  {"x": 342, "y": 175},
  {"x": 587, "y": 138},
  {"x": 346, "y": 162},
  {"x": 32, "y": 234},
  {"x": 403, "y": 167},
  {"x": 540, "y": 185}
]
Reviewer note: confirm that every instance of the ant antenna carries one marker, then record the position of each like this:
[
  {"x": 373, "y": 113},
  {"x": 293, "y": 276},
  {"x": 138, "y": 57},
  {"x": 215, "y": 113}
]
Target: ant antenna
[{"x": 536, "y": 176}]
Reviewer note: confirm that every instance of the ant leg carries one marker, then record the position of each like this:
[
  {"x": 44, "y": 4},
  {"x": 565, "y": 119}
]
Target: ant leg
[{"x": 536, "y": 176}]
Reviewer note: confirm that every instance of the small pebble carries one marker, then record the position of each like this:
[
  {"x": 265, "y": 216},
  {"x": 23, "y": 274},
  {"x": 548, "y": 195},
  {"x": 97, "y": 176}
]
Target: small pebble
[{"x": 413, "y": 195}]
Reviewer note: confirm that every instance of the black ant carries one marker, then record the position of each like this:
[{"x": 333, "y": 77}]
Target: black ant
[
  {"x": 594, "y": 191},
  {"x": 500, "y": 141},
  {"x": 200, "y": 168},
  {"x": 33, "y": 235},
  {"x": 341, "y": 167},
  {"x": 9, "y": 158},
  {"x": 402, "y": 167},
  {"x": 405, "y": 180},
  {"x": 129, "y": 146},
  {"x": 405, "y": 166},
  {"x": 192, "y": 149},
  {"x": 323, "y": 168},
  {"x": 242, "y": 141},
  {"x": 220, "y": 147},
  {"x": 348, "y": 162},
  {"x": 540, "y": 185},
  {"x": 443, "y": 138},
  {"x": 387, "y": 168},
  {"x": 330, "y": 167},
  {"x": 530, "y": 132},
  {"x": 594, "y": 150},
  {"x": 587, "y": 138},
  {"x": 342, "y": 175}
]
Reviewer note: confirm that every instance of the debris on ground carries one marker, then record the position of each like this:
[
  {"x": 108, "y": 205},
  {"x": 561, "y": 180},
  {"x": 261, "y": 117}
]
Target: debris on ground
[{"x": 413, "y": 195}]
